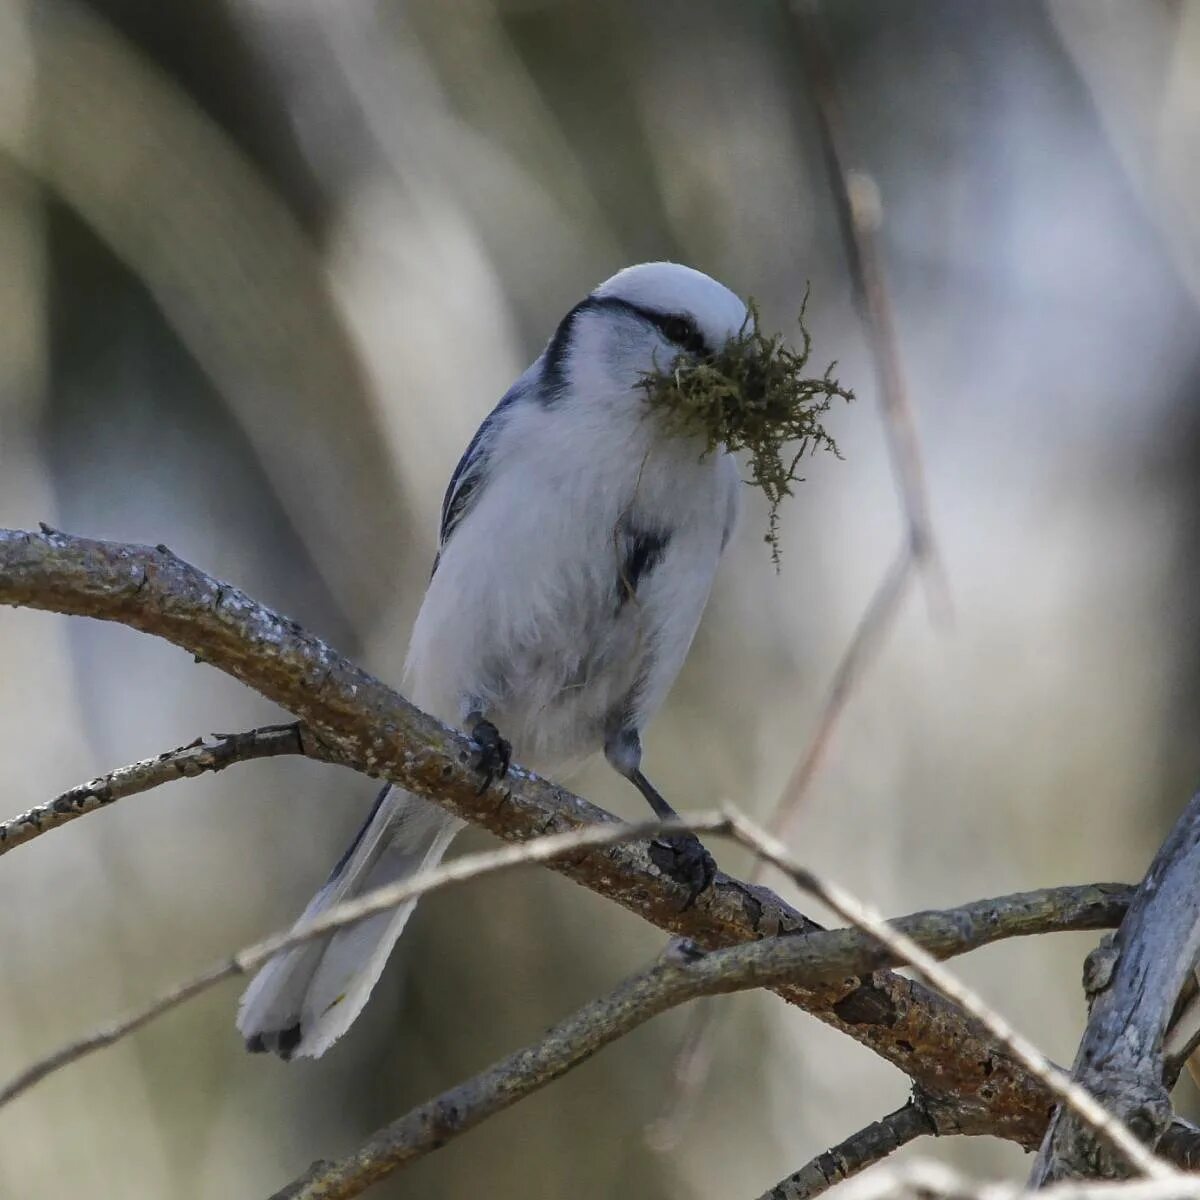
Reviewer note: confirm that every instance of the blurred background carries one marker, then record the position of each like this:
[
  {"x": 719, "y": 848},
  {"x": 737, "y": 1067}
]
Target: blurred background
[{"x": 265, "y": 265}]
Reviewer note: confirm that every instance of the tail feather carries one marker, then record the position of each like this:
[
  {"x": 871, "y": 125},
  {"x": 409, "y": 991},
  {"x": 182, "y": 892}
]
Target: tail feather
[{"x": 304, "y": 999}]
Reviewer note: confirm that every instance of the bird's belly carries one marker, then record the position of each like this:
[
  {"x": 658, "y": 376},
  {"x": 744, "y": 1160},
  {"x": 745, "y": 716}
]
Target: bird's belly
[
  {"x": 557, "y": 699},
  {"x": 525, "y": 618},
  {"x": 528, "y": 633}
]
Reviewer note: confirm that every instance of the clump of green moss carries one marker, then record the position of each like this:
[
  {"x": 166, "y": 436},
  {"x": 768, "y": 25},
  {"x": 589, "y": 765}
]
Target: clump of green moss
[{"x": 753, "y": 396}]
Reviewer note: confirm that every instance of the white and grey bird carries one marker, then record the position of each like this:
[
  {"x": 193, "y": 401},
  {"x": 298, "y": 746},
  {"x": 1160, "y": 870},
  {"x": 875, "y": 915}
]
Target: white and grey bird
[{"x": 577, "y": 549}]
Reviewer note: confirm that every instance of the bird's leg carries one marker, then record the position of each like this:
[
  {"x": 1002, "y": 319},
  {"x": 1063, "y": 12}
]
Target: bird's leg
[
  {"x": 681, "y": 856},
  {"x": 492, "y": 752}
]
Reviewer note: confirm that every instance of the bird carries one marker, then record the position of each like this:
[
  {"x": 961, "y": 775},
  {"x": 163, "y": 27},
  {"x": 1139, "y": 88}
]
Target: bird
[{"x": 579, "y": 541}]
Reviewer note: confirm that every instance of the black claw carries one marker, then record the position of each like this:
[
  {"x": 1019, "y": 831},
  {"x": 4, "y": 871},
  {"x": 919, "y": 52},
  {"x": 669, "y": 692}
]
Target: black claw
[
  {"x": 492, "y": 755},
  {"x": 685, "y": 860}
]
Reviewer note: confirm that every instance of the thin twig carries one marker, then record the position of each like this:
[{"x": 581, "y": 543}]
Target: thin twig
[
  {"x": 859, "y": 217},
  {"x": 351, "y": 912},
  {"x": 753, "y": 964},
  {"x": 690, "y": 1071},
  {"x": 873, "y": 627},
  {"x": 859, "y": 1151},
  {"x": 196, "y": 758},
  {"x": 431, "y": 1125}
]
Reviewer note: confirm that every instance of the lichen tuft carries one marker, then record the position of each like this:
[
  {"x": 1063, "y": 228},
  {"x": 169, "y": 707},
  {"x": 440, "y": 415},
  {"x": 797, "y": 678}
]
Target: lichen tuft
[{"x": 753, "y": 395}]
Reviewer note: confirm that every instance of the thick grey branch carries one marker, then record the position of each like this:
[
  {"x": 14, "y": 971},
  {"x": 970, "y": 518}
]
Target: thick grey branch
[
  {"x": 197, "y": 758},
  {"x": 973, "y": 1084},
  {"x": 859, "y": 1151},
  {"x": 1120, "y": 1059}
]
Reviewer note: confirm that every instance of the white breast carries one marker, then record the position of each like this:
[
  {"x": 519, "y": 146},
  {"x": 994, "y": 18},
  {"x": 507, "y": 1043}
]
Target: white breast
[{"x": 524, "y": 615}]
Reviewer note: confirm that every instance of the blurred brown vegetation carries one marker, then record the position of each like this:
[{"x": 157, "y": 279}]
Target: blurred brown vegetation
[{"x": 264, "y": 266}]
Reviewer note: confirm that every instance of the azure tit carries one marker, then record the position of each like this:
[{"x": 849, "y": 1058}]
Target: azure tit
[{"x": 578, "y": 544}]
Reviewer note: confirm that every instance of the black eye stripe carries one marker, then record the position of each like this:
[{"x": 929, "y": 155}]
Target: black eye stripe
[{"x": 677, "y": 328}]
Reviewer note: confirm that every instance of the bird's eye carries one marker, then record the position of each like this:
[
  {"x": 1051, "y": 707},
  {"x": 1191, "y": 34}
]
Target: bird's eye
[{"x": 683, "y": 332}]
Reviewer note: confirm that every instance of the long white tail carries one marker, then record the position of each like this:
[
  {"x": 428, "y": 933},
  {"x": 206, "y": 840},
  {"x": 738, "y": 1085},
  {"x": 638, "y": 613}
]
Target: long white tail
[{"x": 303, "y": 1000}]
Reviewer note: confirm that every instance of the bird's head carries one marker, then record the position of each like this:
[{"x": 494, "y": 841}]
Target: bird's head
[
  {"x": 665, "y": 340},
  {"x": 640, "y": 321}
]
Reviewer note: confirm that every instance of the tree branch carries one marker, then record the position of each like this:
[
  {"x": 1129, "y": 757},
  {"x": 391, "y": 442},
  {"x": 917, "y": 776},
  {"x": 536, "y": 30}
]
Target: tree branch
[
  {"x": 1135, "y": 985},
  {"x": 196, "y": 758},
  {"x": 877, "y": 619},
  {"x": 684, "y": 974},
  {"x": 973, "y": 1084},
  {"x": 811, "y": 957},
  {"x": 430, "y": 1126},
  {"x": 859, "y": 1151}
]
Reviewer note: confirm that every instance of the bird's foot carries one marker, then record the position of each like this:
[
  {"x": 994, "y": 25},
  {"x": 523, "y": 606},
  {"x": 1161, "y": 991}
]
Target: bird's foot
[
  {"x": 492, "y": 753},
  {"x": 682, "y": 858}
]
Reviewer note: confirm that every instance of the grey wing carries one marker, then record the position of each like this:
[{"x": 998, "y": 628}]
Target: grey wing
[{"x": 471, "y": 473}]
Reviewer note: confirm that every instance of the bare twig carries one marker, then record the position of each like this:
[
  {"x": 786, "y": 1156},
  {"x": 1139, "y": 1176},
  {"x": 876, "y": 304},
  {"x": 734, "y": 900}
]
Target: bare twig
[
  {"x": 876, "y": 621},
  {"x": 856, "y": 199},
  {"x": 859, "y": 1151},
  {"x": 681, "y": 975},
  {"x": 196, "y": 758},
  {"x": 1134, "y": 986},
  {"x": 430, "y": 1126},
  {"x": 348, "y": 913},
  {"x": 756, "y": 964},
  {"x": 972, "y": 1084},
  {"x": 1183, "y": 1038}
]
